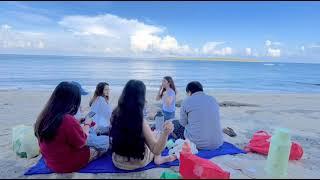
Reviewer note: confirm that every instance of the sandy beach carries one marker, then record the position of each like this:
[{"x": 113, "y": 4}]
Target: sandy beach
[{"x": 298, "y": 112}]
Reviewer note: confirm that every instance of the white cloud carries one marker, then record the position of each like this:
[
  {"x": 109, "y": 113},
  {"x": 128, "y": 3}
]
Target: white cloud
[
  {"x": 95, "y": 30},
  {"x": 225, "y": 51},
  {"x": 256, "y": 54},
  {"x": 315, "y": 45},
  {"x": 210, "y": 48},
  {"x": 116, "y": 36},
  {"x": 248, "y": 51},
  {"x": 5, "y": 27},
  {"x": 11, "y": 39},
  {"x": 273, "y": 52},
  {"x": 277, "y": 43},
  {"x": 271, "y": 43},
  {"x": 113, "y": 32},
  {"x": 141, "y": 42},
  {"x": 272, "y": 48},
  {"x": 112, "y": 50},
  {"x": 268, "y": 43},
  {"x": 40, "y": 44},
  {"x": 102, "y": 25},
  {"x": 29, "y": 18}
]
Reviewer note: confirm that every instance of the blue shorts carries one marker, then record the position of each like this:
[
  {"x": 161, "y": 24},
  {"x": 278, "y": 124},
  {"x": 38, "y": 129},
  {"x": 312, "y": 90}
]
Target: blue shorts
[{"x": 168, "y": 115}]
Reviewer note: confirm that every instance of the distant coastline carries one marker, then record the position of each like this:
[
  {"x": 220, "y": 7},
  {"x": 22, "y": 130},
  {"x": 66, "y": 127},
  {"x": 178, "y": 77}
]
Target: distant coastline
[
  {"x": 225, "y": 59},
  {"x": 217, "y": 59},
  {"x": 185, "y": 58}
]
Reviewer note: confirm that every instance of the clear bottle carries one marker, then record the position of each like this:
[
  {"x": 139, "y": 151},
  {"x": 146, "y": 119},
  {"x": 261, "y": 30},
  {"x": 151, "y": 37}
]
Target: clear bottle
[
  {"x": 278, "y": 156},
  {"x": 159, "y": 120}
]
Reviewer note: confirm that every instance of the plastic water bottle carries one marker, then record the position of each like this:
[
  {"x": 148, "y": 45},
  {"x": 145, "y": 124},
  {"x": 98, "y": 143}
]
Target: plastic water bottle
[
  {"x": 278, "y": 156},
  {"x": 159, "y": 119}
]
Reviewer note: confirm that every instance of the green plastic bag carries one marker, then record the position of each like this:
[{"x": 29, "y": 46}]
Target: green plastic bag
[
  {"x": 24, "y": 142},
  {"x": 170, "y": 175}
]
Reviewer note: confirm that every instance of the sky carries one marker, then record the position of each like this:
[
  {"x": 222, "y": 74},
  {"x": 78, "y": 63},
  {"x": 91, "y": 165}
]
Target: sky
[{"x": 275, "y": 31}]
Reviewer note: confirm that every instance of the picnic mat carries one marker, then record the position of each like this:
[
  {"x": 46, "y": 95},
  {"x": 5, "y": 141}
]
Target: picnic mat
[{"x": 104, "y": 163}]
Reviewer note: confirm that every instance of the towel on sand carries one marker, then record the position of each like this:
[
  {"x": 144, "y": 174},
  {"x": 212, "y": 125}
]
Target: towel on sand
[{"x": 104, "y": 164}]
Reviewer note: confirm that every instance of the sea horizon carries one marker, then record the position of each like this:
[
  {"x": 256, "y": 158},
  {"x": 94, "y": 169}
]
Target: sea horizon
[{"x": 45, "y": 72}]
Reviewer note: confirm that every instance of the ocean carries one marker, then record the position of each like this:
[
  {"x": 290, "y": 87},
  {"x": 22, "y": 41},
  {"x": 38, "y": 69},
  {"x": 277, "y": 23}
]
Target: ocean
[{"x": 39, "y": 72}]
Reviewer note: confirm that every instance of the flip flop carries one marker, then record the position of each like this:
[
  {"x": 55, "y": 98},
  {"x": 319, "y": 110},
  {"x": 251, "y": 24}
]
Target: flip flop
[{"x": 230, "y": 132}]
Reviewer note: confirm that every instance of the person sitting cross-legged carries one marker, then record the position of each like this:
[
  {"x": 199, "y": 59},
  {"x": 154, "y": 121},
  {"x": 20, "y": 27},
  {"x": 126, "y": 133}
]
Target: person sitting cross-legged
[{"x": 199, "y": 119}]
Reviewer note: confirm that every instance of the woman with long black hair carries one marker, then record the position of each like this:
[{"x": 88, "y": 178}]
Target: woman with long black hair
[
  {"x": 61, "y": 138},
  {"x": 133, "y": 143}
]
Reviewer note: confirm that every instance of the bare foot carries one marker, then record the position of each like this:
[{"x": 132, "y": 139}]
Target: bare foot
[{"x": 163, "y": 159}]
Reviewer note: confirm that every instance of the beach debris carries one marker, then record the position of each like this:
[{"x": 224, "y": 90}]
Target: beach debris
[{"x": 236, "y": 104}]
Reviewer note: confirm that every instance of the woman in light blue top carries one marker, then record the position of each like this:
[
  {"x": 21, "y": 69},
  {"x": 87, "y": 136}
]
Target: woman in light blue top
[{"x": 167, "y": 94}]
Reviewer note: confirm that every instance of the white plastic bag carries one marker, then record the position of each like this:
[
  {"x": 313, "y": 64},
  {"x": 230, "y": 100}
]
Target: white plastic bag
[
  {"x": 177, "y": 147},
  {"x": 24, "y": 142}
]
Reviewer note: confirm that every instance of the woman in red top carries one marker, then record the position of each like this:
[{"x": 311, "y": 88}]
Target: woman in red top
[{"x": 61, "y": 138}]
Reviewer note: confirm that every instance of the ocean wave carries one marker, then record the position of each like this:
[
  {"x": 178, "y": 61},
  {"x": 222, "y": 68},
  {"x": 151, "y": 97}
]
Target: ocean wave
[
  {"x": 314, "y": 84},
  {"x": 10, "y": 88}
]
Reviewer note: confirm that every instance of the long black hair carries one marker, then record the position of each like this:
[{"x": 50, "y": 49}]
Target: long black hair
[
  {"x": 126, "y": 134},
  {"x": 99, "y": 92},
  {"x": 65, "y": 99}
]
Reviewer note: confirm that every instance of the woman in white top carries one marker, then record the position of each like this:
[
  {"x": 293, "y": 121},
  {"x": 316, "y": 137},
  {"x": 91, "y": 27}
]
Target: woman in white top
[{"x": 100, "y": 105}]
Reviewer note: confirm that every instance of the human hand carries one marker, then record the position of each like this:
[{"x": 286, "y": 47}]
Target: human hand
[
  {"x": 168, "y": 127},
  {"x": 161, "y": 87},
  {"x": 159, "y": 93},
  {"x": 82, "y": 120}
]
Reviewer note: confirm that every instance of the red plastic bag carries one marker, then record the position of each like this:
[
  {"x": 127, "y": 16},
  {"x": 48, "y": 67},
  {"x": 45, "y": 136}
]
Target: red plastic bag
[
  {"x": 194, "y": 167},
  {"x": 260, "y": 143},
  {"x": 296, "y": 151}
]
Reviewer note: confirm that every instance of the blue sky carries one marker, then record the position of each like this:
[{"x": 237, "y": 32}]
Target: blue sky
[{"x": 277, "y": 31}]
